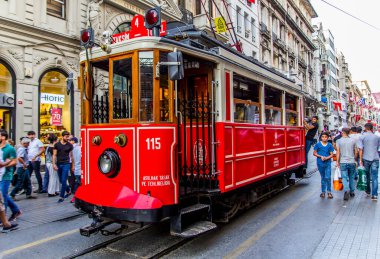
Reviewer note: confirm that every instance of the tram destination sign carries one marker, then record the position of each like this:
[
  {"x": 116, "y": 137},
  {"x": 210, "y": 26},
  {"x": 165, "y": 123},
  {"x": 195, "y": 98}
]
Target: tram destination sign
[{"x": 138, "y": 29}]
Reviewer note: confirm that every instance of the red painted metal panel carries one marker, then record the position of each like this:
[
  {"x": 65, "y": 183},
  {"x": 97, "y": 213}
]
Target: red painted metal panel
[
  {"x": 248, "y": 169},
  {"x": 155, "y": 160},
  {"x": 275, "y": 162},
  {"x": 275, "y": 138},
  {"x": 228, "y": 173},
  {"x": 294, "y": 157},
  {"x": 228, "y": 137},
  {"x": 249, "y": 139},
  {"x": 294, "y": 137},
  {"x": 228, "y": 96}
]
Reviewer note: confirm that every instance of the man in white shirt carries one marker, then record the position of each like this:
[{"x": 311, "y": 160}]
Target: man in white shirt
[{"x": 35, "y": 150}]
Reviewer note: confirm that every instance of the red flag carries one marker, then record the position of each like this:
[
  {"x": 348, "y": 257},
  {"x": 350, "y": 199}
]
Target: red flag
[{"x": 251, "y": 1}]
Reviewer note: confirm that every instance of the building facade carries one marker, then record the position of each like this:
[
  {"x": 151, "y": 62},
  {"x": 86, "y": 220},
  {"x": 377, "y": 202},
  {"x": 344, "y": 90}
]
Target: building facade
[{"x": 39, "y": 50}]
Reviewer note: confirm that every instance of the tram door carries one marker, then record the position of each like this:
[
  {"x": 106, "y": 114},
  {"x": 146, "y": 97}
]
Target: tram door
[{"x": 196, "y": 161}]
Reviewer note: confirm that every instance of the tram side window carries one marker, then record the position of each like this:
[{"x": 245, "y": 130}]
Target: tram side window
[
  {"x": 273, "y": 110},
  {"x": 122, "y": 89},
  {"x": 291, "y": 110},
  {"x": 246, "y": 101},
  {"x": 164, "y": 90},
  {"x": 146, "y": 86}
]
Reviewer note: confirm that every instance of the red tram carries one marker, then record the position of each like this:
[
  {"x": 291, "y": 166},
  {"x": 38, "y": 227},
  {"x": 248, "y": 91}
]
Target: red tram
[{"x": 224, "y": 134}]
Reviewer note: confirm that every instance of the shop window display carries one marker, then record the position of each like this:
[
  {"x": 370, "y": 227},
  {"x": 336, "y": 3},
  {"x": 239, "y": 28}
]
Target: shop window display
[{"x": 55, "y": 105}]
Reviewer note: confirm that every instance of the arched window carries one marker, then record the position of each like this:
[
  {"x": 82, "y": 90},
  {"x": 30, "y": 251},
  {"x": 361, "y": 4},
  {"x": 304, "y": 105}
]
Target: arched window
[
  {"x": 125, "y": 26},
  {"x": 7, "y": 99},
  {"x": 55, "y": 104}
]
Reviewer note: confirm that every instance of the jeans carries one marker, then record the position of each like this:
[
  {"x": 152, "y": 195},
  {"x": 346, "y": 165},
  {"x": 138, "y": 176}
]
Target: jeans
[
  {"x": 4, "y": 185},
  {"x": 308, "y": 146},
  {"x": 78, "y": 182},
  {"x": 35, "y": 166},
  {"x": 371, "y": 168},
  {"x": 23, "y": 182},
  {"x": 348, "y": 173},
  {"x": 46, "y": 180},
  {"x": 63, "y": 174},
  {"x": 324, "y": 169}
]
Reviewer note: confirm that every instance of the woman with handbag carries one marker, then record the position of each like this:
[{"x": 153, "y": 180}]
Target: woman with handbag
[
  {"x": 323, "y": 150},
  {"x": 53, "y": 186}
]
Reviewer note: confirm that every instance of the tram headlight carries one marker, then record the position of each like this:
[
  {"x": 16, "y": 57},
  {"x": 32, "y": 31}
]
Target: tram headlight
[{"x": 109, "y": 163}]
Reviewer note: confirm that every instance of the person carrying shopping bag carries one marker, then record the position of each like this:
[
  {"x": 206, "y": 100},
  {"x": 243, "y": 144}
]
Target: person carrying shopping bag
[{"x": 323, "y": 150}]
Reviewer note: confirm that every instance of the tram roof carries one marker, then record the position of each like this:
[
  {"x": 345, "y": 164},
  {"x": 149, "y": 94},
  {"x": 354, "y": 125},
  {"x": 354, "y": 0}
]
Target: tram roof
[{"x": 198, "y": 44}]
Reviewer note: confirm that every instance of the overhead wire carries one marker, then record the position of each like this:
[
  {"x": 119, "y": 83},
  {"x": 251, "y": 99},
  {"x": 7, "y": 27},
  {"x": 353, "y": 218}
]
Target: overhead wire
[{"x": 351, "y": 15}]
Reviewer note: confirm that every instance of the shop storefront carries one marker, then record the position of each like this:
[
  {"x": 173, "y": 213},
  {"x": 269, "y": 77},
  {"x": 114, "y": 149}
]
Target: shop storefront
[
  {"x": 56, "y": 105},
  {"x": 7, "y": 99}
]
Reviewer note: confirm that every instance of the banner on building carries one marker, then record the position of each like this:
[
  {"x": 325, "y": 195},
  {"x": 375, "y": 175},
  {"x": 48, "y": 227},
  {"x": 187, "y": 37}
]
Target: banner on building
[
  {"x": 220, "y": 25},
  {"x": 56, "y": 116}
]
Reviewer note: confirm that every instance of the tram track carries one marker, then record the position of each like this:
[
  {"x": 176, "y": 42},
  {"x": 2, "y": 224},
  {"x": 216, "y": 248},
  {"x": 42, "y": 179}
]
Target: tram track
[{"x": 161, "y": 252}]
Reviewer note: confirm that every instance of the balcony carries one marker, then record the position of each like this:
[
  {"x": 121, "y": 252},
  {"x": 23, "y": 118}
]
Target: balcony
[
  {"x": 291, "y": 53},
  {"x": 302, "y": 62},
  {"x": 264, "y": 30}
]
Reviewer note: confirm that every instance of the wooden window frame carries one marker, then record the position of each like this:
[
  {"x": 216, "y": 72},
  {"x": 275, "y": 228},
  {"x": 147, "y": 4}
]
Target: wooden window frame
[
  {"x": 135, "y": 88},
  {"x": 249, "y": 102},
  {"x": 64, "y": 4}
]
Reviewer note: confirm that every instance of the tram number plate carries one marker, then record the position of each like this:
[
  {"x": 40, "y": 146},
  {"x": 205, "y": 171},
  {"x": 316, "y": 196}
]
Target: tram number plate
[{"x": 153, "y": 143}]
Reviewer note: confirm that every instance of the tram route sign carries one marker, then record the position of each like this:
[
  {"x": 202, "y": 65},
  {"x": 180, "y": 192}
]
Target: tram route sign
[{"x": 138, "y": 29}]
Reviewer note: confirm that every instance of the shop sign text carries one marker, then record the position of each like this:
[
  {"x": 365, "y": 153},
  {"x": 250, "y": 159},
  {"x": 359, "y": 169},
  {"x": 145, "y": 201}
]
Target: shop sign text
[
  {"x": 7, "y": 100},
  {"x": 53, "y": 98}
]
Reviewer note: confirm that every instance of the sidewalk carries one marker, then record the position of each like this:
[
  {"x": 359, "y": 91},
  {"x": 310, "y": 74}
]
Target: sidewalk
[
  {"x": 355, "y": 231},
  {"x": 42, "y": 210}
]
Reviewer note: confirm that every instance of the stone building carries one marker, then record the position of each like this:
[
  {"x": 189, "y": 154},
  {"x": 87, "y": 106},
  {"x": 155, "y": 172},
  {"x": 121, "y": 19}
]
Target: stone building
[
  {"x": 286, "y": 43},
  {"x": 39, "y": 50}
]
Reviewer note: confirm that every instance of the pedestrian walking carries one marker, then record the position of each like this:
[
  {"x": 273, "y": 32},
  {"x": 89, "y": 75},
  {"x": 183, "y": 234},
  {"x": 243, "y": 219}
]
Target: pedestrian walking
[
  {"x": 9, "y": 158},
  {"x": 7, "y": 226},
  {"x": 355, "y": 135},
  {"x": 54, "y": 185},
  {"x": 23, "y": 176},
  {"x": 346, "y": 151},
  {"x": 368, "y": 145},
  {"x": 77, "y": 165},
  {"x": 312, "y": 128},
  {"x": 323, "y": 150},
  {"x": 35, "y": 150},
  {"x": 62, "y": 153}
]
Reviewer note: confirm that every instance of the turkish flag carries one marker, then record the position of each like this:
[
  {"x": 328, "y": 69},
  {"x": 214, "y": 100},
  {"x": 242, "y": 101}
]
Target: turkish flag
[{"x": 251, "y": 1}]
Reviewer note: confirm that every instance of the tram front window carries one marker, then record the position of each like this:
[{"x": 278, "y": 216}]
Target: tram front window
[
  {"x": 146, "y": 85},
  {"x": 122, "y": 89}
]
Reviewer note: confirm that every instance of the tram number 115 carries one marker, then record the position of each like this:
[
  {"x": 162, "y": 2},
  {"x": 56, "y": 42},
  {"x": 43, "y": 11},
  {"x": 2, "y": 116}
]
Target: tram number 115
[{"x": 153, "y": 143}]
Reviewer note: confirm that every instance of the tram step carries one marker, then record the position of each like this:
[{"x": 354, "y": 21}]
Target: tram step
[
  {"x": 195, "y": 229},
  {"x": 195, "y": 207}
]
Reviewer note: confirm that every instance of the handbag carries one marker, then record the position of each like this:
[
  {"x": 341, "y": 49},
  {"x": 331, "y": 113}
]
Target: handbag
[
  {"x": 362, "y": 181},
  {"x": 334, "y": 157},
  {"x": 337, "y": 180}
]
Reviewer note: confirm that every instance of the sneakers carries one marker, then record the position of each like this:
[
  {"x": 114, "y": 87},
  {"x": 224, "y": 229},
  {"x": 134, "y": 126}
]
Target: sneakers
[
  {"x": 374, "y": 198},
  {"x": 346, "y": 195},
  {"x": 14, "y": 216},
  {"x": 60, "y": 200},
  {"x": 31, "y": 197},
  {"x": 352, "y": 194},
  {"x": 72, "y": 200},
  {"x": 12, "y": 227},
  {"x": 67, "y": 194}
]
